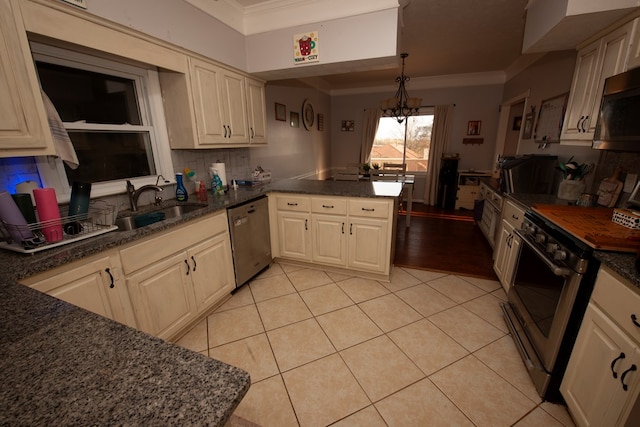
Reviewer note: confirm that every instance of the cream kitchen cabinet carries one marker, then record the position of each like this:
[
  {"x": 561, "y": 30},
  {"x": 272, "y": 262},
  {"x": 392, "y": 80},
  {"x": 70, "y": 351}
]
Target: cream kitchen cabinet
[
  {"x": 24, "y": 130},
  {"x": 468, "y": 189},
  {"x": 219, "y": 96},
  {"x": 603, "y": 58},
  {"x": 256, "y": 108},
  {"x": 329, "y": 236},
  {"x": 351, "y": 233},
  {"x": 508, "y": 245},
  {"x": 176, "y": 276},
  {"x": 94, "y": 283},
  {"x": 602, "y": 381}
]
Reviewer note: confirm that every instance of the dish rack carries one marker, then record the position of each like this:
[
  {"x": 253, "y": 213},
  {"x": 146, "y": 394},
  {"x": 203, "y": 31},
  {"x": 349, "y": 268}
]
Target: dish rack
[{"x": 99, "y": 220}]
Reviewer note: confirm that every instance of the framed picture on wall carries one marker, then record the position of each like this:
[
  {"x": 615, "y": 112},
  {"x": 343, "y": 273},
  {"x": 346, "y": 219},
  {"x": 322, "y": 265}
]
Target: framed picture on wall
[
  {"x": 294, "y": 120},
  {"x": 528, "y": 124},
  {"x": 281, "y": 112},
  {"x": 517, "y": 123},
  {"x": 474, "y": 127}
]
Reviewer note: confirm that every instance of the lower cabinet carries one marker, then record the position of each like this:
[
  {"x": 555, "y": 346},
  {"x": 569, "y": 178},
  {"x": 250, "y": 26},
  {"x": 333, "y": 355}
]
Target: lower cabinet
[
  {"x": 602, "y": 381},
  {"x": 508, "y": 244},
  {"x": 352, "y": 233},
  {"x": 175, "y": 276},
  {"x": 94, "y": 284}
]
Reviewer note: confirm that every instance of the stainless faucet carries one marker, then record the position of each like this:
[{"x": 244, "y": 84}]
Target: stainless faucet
[{"x": 135, "y": 194}]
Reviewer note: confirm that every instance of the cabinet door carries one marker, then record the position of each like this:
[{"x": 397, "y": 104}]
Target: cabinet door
[
  {"x": 593, "y": 383},
  {"x": 581, "y": 95},
  {"x": 24, "y": 128},
  {"x": 162, "y": 297},
  {"x": 206, "y": 81},
  {"x": 502, "y": 253},
  {"x": 234, "y": 99},
  {"x": 294, "y": 235},
  {"x": 368, "y": 244},
  {"x": 211, "y": 270},
  {"x": 329, "y": 239},
  {"x": 88, "y": 286},
  {"x": 257, "y": 110}
]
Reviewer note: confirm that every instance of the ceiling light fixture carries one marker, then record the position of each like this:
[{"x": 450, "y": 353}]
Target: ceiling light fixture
[{"x": 401, "y": 106}]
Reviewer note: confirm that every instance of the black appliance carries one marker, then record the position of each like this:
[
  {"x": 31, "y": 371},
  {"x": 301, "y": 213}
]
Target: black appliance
[
  {"x": 553, "y": 279},
  {"x": 448, "y": 182},
  {"x": 528, "y": 174},
  {"x": 618, "y": 127}
]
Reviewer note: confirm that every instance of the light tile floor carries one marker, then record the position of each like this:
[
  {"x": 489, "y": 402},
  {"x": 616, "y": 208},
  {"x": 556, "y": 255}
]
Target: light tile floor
[{"x": 327, "y": 349}]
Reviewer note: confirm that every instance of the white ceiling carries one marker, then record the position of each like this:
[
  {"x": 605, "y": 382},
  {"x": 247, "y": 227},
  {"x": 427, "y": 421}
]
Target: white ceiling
[{"x": 442, "y": 37}]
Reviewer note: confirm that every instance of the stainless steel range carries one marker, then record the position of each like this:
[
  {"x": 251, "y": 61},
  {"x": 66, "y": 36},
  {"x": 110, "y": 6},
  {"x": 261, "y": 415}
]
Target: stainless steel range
[{"x": 550, "y": 289}]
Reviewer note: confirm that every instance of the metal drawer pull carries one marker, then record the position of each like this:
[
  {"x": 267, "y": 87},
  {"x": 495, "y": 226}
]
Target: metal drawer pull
[
  {"x": 291, "y": 204},
  {"x": 188, "y": 266},
  {"x": 634, "y": 319},
  {"x": 624, "y": 374},
  {"x": 615, "y": 374},
  {"x": 368, "y": 209},
  {"x": 328, "y": 206},
  {"x": 108, "y": 271}
]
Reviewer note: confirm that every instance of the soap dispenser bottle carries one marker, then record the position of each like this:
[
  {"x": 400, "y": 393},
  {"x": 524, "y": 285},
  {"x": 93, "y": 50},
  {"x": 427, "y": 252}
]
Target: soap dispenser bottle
[{"x": 181, "y": 193}]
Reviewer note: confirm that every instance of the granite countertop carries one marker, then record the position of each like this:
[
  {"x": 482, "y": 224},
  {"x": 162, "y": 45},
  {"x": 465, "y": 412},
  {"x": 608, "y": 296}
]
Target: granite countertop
[{"x": 64, "y": 365}]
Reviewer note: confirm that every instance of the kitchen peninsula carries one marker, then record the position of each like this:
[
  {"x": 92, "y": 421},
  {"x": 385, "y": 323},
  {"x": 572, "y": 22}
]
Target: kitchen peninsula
[{"x": 64, "y": 365}]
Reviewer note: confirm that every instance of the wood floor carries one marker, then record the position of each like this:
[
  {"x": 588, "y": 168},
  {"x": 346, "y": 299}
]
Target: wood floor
[{"x": 443, "y": 240}]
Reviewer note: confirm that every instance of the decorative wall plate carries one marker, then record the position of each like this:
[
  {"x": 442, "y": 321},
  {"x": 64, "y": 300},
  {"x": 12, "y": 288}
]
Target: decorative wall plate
[{"x": 308, "y": 115}]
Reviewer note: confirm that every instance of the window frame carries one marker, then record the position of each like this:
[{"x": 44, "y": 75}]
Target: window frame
[
  {"x": 423, "y": 111},
  {"x": 149, "y": 97}
]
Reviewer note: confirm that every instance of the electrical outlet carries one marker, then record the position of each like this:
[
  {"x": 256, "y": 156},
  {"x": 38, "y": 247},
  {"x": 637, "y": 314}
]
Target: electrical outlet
[{"x": 630, "y": 182}]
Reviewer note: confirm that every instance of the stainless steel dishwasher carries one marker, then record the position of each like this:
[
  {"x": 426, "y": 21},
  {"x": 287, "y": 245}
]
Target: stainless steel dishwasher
[{"x": 250, "y": 241}]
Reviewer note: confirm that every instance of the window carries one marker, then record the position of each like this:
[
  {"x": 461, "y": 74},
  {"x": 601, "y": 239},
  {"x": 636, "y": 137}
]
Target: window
[
  {"x": 108, "y": 110},
  {"x": 407, "y": 142}
]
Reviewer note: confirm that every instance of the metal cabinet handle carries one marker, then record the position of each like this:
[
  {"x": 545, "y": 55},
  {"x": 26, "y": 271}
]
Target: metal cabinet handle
[
  {"x": 350, "y": 228},
  {"x": 343, "y": 228},
  {"x": 613, "y": 364},
  {"x": 634, "y": 319},
  {"x": 584, "y": 122},
  {"x": 194, "y": 263},
  {"x": 230, "y": 133},
  {"x": 188, "y": 266},
  {"x": 306, "y": 221},
  {"x": 625, "y": 387},
  {"x": 225, "y": 130},
  {"x": 253, "y": 134},
  {"x": 579, "y": 122},
  {"x": 108, "y": 271}
]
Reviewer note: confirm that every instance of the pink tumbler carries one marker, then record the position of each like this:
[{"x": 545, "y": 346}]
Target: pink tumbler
[{"x": 48, "y": 213}]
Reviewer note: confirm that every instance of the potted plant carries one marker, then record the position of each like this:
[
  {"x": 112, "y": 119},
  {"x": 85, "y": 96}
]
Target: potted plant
[{"x": 366, "y": 168}]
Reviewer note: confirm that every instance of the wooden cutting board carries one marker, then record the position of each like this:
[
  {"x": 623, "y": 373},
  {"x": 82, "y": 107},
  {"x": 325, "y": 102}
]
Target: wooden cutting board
[
  {"x": 593, "y": 226},
  {"x": 610, "y": 189}
]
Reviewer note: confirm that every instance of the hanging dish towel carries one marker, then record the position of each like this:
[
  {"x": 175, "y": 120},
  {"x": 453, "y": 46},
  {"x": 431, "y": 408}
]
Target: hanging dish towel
[{"x": 61, "y": 140}]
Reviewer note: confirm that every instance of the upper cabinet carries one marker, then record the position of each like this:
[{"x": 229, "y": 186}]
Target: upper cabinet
[
  {"x": 213, "y": 107},
  {"x": 24, "y": 130},
  {"x": 597, "y": 61}
]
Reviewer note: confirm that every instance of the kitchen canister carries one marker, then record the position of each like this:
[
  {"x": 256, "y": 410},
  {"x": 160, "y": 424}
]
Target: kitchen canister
[
  {"x": 13, "y": 220},
  {"x": 48, "y": 213}
]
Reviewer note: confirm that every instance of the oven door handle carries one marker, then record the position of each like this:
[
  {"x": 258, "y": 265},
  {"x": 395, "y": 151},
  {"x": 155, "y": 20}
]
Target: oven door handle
[{"x": 556, "y": 269}]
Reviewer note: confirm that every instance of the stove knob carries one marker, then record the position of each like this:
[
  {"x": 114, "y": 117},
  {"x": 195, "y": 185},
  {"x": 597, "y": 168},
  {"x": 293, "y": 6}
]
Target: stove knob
[
  {"x": 560, "y": 255},
  {"x": 540, "y": 238},
  {"x": 552, "y": 247}
]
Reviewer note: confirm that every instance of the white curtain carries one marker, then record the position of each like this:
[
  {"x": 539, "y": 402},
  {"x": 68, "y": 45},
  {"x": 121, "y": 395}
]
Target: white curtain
[
  {"x": 369, "y": 128},
  {"x": 439, "y": 143}
]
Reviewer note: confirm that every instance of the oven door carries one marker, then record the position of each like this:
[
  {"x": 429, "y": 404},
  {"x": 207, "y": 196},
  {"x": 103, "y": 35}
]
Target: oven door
[{"x": 542, "y": 296}]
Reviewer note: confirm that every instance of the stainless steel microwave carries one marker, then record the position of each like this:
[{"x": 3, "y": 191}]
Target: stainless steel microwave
[{"x": 618, "y": 126}]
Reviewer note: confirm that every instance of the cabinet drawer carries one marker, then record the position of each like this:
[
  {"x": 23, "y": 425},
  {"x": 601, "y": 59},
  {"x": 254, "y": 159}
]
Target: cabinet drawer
[
  {"x": 330, "y": 206},
  {"x": 370, "y": 208},
  {"x": 513, "y": 215},
  {"x": 618, "y": 301},
  {"x": 293, "y": 203},
  {"x": 158, "y": 247}
]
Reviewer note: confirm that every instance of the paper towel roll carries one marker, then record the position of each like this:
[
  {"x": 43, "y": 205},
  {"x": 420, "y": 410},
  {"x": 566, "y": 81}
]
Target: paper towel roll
[
  {"x": 222, "y": 173},
  {"x": 27, "y": 187}
]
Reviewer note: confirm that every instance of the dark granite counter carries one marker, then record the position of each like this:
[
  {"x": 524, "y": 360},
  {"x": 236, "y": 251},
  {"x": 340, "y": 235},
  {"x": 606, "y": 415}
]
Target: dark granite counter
[{"x": 62, "y": 365}]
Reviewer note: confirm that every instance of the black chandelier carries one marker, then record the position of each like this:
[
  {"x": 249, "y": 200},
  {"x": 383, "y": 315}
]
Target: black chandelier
[{"x": 401, "y": 106}]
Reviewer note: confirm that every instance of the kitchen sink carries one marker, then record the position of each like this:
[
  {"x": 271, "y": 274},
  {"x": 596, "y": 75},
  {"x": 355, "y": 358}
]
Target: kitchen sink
[{"x": 148, "y": 217}]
